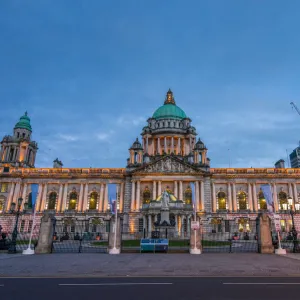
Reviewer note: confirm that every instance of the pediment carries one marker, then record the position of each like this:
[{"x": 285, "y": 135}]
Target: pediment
[{"x": 167, "y": 164}]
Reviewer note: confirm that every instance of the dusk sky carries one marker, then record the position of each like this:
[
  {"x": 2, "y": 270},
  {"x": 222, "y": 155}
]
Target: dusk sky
[{"x": 90, "y": 73}]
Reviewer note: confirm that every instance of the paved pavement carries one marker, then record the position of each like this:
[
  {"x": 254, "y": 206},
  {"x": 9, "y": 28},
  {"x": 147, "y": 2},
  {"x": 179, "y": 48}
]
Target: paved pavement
[
  {"x": 103, "y": 265},
  {"x": 150, "y": 288}
]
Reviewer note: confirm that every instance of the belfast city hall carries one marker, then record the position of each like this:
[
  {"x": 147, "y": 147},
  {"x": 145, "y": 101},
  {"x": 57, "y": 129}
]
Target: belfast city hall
[{"x": 167, "y": 181}]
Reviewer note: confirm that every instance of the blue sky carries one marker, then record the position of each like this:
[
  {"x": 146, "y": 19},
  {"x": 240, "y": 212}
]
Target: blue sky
[{"x": 90, "y": 73}]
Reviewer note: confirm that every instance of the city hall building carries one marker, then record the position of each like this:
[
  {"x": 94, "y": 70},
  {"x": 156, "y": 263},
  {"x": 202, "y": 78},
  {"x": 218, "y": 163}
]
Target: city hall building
[{"x": 170, "y": 158}]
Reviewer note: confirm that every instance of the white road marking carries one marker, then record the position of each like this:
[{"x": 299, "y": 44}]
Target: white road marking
[
  {"x": 124, "y": 283},
  {"x": 262, "y": 283}
]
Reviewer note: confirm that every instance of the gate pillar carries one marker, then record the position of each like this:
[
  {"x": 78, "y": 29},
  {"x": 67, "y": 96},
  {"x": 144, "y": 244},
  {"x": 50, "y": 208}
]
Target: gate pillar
[
  {"x": 195, "y": 240},
  {"x": 114, "y": 244},
  {"x": 265, "y": 244},
  {"x": 46, "y": 234}
]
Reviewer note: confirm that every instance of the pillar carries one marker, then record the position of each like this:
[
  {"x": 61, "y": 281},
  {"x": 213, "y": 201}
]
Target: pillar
[
  {"x": 290, "y": 190},
  {"x": 180, "y": 191},
  {"x": 175, "y": 189},
  {"x": 85, "y": 197},
  {"x": 172, "y": 144},
  {"x": 38, "y": 203},
  {"x": 132, "y": 195},
  {"x": 24, "y": 195},
  {"x": 80, "y": 200},
  {"x": 158, "y": 145},
  {"x": 202, "y": 195},
  {"x": 255, "y": 202},
  {"x": 179, "y": 147},
  {"x": 16, "y": 193},
  {"x": 10, "y": 197},
  {"x": 214, "y": 200},
  {"x": 121, "y": 207},
  {"x": 265, "y": 244},
  {"x": 197, "y": 206},
  {"x": 295, "y": 198},
  {"x": 234, "y": 197},
  {"x": 159, "y": 188},
  {"x": 229, "y": 198},
  {"x": 154, "y": 190},
  {"x": 144, "y": 224},
  {"x": 250, "y": 199},
  {"x": 105, "y": 203},
  {"x": 182, "y": 225},
  {"x": 176, "y": 225},
  {"x": 44, "y": 198},
  {"x": 64, "y": 204},
  {"x": 138, "y": 195},
  {"x": 275, "y": 197},
  {"x": 59, "y": 200},
  {"x": 165, "y": 144},
  {"x": 149, "y": 225},
  {"x": 101, "y": 197}
]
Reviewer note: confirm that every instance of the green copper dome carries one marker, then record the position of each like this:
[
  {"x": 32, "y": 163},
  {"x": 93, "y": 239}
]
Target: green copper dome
[
  {"x": 169, "y": 111},
  {"x": 24, "y": 123}
]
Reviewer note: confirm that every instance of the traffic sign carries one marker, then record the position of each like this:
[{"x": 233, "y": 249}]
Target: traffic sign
[{"x": 195, "y": 225}]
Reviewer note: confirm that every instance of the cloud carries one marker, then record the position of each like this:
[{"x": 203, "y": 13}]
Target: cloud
[
  {"x": 128, "y": 120},
  {"x": 67, "y": 137},
  {"x": 105, "y": 136}
]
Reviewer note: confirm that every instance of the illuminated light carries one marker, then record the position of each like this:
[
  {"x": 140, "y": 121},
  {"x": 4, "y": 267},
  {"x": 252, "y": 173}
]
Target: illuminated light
[
  {"x": 297, "y": 206},
  {"x": 284, "y": 205}
]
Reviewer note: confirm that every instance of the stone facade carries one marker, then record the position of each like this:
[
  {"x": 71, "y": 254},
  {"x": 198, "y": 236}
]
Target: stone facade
[{"x": 169, "y": 159}]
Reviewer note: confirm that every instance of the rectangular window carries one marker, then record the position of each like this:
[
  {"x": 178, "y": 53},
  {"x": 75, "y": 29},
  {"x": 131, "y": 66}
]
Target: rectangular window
[
  {"x": 141, "y": 223},
  {"x": 72, "y": 228},
  {"x": 94, "y": 228},
  {"x": 22, "y": 227},
  {"x": 4, "y": 187},
  {"x": 220, "y": 227},
  {"x": 289, "y": 225},
  {"x": 29, "y": 226},
  {"x": 282, "y": 224},
  {"x": 107, "y": 227},
  {"x": 227, "y": 226}
]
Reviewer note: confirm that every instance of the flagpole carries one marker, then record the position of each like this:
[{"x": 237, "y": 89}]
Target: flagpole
[
  {"x": 114, "y": 250},
  {"x": 30, "y": 251}
]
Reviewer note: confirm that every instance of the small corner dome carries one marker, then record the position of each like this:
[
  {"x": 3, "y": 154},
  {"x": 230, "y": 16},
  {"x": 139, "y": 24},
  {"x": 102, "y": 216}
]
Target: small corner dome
[
  {"x": 24, "y": 123},
  {"x": 136, "y": 145},
  {"x": 199, "y": 144}
]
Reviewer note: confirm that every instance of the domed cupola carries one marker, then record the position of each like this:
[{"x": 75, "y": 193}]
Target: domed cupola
[
  {"x": 24, "y": 123},
  {"x": 199, "y": 145},
  {"x": 169, "y": 109},
  {"x": 136, "y": 154},
  {"x": 136, "y": 145}
]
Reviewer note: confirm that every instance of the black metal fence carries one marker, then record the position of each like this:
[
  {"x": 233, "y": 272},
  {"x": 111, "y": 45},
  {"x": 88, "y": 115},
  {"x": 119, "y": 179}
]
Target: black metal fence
[{"x": 81, "y": 236}]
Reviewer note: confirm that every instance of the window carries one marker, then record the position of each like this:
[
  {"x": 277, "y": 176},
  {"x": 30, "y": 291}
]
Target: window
[
  {"x": 221, "y": 200},
  {"x": 141, "y": 225},
  {"x": 283, "y": 203},
  {"x": 188, "y": 195},
  {"x": 52, "y": 200},
  {"x": 244, "y": 225},
  {"x": 29, "y": 200},
  {"x": 93, "y": 200},
  {"x": 4, "y": 187},
  {"x": 146, "y": 195},
  {"x": 94, "y": 228},
  {"x": 227, "y": 226},
  {"x": 283, "y": 225},
  {"x": 216, "y": 224},
  {"x": 73, "y": 201},
  {"x": 29, "y": 226},
  {"x": 261, "y": 200},
  {"x": 242, "y": 200},
  {"x": 22, "y": 227},
  {"x": 2, "y": 201}
]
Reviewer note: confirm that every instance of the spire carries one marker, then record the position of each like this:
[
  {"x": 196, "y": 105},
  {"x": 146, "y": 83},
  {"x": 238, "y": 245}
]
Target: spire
[{"x": 170, "y": 98}]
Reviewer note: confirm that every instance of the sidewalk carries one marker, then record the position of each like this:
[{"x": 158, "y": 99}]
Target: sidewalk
[{"x": 98, "y": 265}]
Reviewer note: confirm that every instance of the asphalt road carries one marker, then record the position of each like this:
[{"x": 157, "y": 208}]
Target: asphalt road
[{"x": 145, "y": 288}]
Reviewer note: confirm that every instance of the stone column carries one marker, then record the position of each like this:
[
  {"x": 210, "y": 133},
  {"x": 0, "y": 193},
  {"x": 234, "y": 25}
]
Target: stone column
[
  {"x": 147, "y": 144},
  {"x": 250, "y": 200},
  {"x": 105, "y": 204},
  {"x": 180, "y": 191},
  {"x": 265, "y": 244},
  {"x": 133, "y": 195},
  {"x": 295, "y": 198},
  {"x": 59, "y": 200},
  {"x": 158, "y": 146},
  {"x": 234, "y": 197},
  {"x": 255, "y": 203},
  {"x": 122, "y": 197},
  {"x": 149, "y": 225},
  {"x": 38, "y": 203},
  {"x": 172, "y": 144},
  {"x": 65, "y": 198},
  {"x": 138, "y": 195},
  {"x": 85, "y": 197},
  {"x": 188, "y": 225},
  {"x": 176, "y": 225},
  {"x": 202, "y": 195},
  {"x": 182, "y": 225},
  {"x": 229, "y": 198},
  {"x": 197, "y": 204},
  {"x": 290, "y": 190},
  {"x": 101, "y": 198},
  {"x": 154, "y": 190},
  {"x": 165, "y": 144},
  {"x": 17, "y": 193},
  {"x": 44, "y": 198},
  {"x": 80, "y": 200},
  {"x": 214, "y": 200},
  {"x": 179, "y": 146},
  {"x": 10, "y": 197},
  {"x": 144, "y": 224},
  {"x": 24, "y": 195},
  {"x": 175, "y": 189},
  {"x": 159, "y": 188},
  {"x": 275, "y": 197}
]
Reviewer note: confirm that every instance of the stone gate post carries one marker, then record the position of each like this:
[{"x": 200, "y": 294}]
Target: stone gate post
[
  {"x": 195, "y": 239},
  {"x": 265, "y": 244},
  {"x": 46, "y": 234}
]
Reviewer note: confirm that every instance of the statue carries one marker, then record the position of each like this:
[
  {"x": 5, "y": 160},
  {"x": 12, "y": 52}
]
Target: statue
[{"x": 165, "y": 200}]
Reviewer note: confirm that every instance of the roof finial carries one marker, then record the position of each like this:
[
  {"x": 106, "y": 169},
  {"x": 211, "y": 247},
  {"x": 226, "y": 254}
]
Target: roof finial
[
  {"x": 169, "y": 98},
  {"x": 26, "y": 113}
]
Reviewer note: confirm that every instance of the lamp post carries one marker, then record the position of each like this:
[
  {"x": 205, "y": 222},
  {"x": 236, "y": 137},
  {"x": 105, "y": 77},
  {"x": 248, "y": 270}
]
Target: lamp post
[
  {"x": 12, "y": 248},
  {"x": 294, "y": 231}
]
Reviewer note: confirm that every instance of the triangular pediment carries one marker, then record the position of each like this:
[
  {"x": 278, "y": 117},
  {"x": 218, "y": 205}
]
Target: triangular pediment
[{"x": 168, "y": 164}]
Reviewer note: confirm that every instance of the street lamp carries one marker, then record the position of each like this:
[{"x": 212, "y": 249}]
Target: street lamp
[
  {"x": 294, "y": 231},
  {"x": 12, "y": 248}
]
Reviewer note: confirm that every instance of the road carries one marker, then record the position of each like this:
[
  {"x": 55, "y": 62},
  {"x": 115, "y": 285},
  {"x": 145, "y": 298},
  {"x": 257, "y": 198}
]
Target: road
[{"x": 130, "y": 288}]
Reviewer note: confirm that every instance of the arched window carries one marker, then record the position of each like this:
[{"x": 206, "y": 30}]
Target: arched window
[
  {"x": 29, "y": 200},
  {"x": 188, "y": 195},
  {"x": 283, "y": 202},
  {"x": 244, "y": 225},
  {"x": 146, "y": 195},
  {"x": 135, "y": 157},
  {"x": 93, "y": 200},
  {"x": 52, "y": 200},
  {"x": 221, "y": 200},
  {"x": 242, "y": 200},
  {"x": 2, "y": 201},
  {"x": 261, "y": 200},
  {"x": 73, "y": 200}
]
